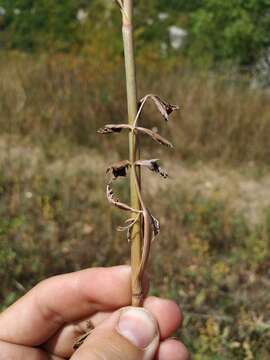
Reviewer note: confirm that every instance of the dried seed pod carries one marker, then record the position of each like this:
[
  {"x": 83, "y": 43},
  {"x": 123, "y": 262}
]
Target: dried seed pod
[
  {"x": 153, "y": 165},
  {"x": 113, "y": 128},
  {"x": 118, "y": 169},
  {"x": 155, "y": 225},
  {"x": 163, "y": 107},
  {"x": 117, "y": 128},
  {"x": 155, "y": 136}
]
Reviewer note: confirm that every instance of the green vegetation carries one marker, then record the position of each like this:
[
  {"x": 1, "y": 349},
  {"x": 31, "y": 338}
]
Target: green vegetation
[
  {"x": 29, "y": 24},
  {"x": 234, "y": 30},
  {"x": 231, "y": 31}
]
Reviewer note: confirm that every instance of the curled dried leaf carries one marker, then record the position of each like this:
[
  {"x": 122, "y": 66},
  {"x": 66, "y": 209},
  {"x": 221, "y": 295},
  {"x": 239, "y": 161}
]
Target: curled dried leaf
[
  {"x": 155, "y": 136},
  {"x": 163, "y": 107},
  {"x": 153, "y": 165},
  {"x": 117, "y": 203},
  {"x": 155, "y": 225},
  {"x": 113, "y": 128},
  {"x": 118, "y": 169}
]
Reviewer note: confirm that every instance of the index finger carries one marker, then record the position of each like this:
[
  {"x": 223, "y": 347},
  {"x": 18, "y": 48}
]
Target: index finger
[{"x": 35, "y": 317}]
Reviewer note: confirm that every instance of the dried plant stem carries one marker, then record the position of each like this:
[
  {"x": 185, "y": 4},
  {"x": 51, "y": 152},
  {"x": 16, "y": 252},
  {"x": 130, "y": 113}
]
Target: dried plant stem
[
  {"x": 133, "y": 145},
  {"x": 141, "y": 236}
]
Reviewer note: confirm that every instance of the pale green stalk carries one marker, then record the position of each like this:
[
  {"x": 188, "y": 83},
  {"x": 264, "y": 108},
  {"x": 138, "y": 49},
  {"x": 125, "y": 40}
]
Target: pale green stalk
[{"x": 133, "y": 146}]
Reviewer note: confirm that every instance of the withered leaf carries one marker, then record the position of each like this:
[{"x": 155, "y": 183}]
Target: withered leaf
[
  {"x": 113, "y": 128},
  {"x": 117, "y": 203},
  {"x": 118, "y": 169},
  {"x": 163, "y": 107},
  {"x": 155, "y": 225},
  {"x": 155, "y": 136},
  {"x": 153, "y": 165}
]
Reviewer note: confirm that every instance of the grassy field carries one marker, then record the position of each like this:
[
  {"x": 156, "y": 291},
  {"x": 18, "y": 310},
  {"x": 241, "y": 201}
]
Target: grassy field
[{"x": 213, "y": 253}]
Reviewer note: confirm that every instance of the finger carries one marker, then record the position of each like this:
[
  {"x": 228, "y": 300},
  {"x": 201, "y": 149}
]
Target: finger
[
  {"x": 34, "y": 318},
  {"x": 166, "y": 312},
  {"x": 172, "y": 350},
  {"x": 11, "y": 351},
  {"x": 131, "y": 333},
  {"x": 62, "y": 342}
]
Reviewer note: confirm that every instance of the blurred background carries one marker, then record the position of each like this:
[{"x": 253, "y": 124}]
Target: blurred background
[{"x": 62, "y": 77}]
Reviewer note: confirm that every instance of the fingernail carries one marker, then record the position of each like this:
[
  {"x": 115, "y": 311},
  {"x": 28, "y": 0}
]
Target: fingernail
[{"x": 138, "y": 326}]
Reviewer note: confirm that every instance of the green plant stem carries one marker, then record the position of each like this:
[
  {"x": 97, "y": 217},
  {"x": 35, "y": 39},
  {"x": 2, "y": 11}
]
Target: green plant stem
[{"x": 133, "y": 144}]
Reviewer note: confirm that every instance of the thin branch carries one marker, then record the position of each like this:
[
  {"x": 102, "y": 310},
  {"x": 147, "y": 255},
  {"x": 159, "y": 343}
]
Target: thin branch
[{"x": 143, "y": 101}]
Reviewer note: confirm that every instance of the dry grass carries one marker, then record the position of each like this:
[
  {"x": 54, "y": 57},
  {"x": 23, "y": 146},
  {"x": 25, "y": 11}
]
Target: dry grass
[{"x": 221, "y": 118}]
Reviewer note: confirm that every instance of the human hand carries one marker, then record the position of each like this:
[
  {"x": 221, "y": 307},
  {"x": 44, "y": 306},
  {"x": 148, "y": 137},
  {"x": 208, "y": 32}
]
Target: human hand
[{"x": 45, "y": 323}]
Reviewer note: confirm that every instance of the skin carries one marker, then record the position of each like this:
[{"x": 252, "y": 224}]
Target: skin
[{"x": 45, "y": 323}]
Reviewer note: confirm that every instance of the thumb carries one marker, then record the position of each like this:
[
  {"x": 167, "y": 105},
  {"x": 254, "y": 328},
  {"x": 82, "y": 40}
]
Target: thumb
[{"x": 129, "y": 334}]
